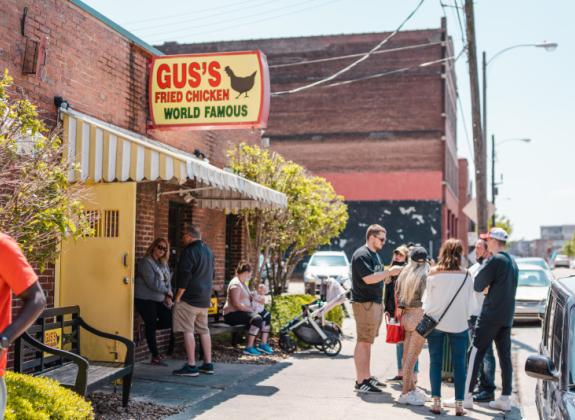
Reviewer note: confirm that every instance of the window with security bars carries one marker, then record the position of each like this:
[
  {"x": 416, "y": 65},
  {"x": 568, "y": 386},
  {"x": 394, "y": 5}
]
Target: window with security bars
[{"x": 104, "y": 223}]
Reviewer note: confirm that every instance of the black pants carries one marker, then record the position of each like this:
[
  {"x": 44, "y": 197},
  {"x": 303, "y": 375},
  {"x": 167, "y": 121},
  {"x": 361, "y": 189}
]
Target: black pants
[
  {"x": 486, "y": 376},
  {"x": 255, "y": 321},
  {"x": 485, "y": 334},
  {"x": 156, "y": 316}
]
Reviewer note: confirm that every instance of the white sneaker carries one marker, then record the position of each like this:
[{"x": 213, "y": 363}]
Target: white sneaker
[
  {"x": 410, "y": 398},
  {"x": 467, "y": 402},
  {"x": 501, "y": 404},
  {"x": 420, "y": 393}
]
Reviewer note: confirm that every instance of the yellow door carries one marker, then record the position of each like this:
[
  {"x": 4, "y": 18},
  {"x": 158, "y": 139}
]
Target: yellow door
[{"x": 97, "y": 272}]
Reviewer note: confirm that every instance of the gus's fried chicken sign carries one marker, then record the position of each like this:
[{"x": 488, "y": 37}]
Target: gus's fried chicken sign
[{"x": 208, "y": 91}]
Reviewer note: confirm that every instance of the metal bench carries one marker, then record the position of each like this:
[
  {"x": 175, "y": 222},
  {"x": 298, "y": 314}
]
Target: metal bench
[{"x": 34, "y": 355}]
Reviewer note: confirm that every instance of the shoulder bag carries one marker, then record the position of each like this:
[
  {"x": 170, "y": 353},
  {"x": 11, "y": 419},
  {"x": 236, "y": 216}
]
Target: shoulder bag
[{"x": 427, "y": 323}]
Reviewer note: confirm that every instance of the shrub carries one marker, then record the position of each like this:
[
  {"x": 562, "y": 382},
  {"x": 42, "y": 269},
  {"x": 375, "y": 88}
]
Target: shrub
[
  {"x": 35, "y": 398},
  {"x": 285, "y": 308}
]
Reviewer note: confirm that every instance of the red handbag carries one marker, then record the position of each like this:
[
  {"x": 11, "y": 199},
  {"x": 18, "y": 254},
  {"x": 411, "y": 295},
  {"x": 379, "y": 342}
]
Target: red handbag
[{"x": 394, "y": 330}]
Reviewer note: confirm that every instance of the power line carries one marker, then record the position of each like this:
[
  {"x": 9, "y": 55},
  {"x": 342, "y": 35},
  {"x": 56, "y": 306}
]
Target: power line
[
  {"x": 465, "y": 130},
  {"x": 343, "y": 57},
  {"x": 401, "y": 70},
  {"x": 176, "y": 31},
  {"x": 260, "y": 20},
  {"x": 195, "y": 12},
  {"x": 196, "y": 18},
  {"x": 356, "y": 62}
]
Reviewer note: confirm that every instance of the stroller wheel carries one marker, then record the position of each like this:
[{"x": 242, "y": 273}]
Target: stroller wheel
[
  {"x": 332, "y": 346},
  {"x": 287, "y": 344}
]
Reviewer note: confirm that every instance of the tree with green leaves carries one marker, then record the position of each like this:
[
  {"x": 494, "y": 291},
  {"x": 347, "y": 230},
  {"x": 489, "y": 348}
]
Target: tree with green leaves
[
  {"x": 38, "y": 207},
  {"x": 314, "y": 216},
  {"x": 502, "y": 222},
  {"x": 569, "y": 247}
]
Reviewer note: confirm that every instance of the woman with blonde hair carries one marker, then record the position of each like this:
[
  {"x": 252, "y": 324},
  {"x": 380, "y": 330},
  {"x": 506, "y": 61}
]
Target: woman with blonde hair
[
  {"x": 448, "y": 293},
  {"x": 153, "y": 293},
  {"x": 410, "y": 288}
]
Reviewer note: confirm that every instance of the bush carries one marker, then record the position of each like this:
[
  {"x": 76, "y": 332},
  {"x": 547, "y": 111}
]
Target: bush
[
  {"x": 35, "y": 398},
  {"x": 285, "y": 308}
]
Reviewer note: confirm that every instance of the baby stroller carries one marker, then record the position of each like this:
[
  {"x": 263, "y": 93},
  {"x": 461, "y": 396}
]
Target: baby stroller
[{"x": 311, "y": 327}]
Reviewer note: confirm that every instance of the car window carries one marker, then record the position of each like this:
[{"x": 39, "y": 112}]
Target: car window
[
  {"x": 532, "y": 278},
  {"x": 572, "y": 348},
  {"x": 557, "y": 333},
  {"x": 548, "y": 331},
  {"x": 536, "y": 261},
  {"x": 328, "y": 261}
]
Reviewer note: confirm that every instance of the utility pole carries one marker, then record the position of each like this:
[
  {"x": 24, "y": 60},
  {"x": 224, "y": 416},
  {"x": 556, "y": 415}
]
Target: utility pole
[
  {"x": 479, "y": 149},
  {"x": 493, "y": 187}
]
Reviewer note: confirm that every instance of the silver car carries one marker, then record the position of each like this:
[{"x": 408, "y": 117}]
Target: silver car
[
  {"x": 532, "y": 290},
  {"x": 323, "y": 265}
]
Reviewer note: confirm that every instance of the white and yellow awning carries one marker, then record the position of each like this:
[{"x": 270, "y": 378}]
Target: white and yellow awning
[{"x": 107, "y": 153}]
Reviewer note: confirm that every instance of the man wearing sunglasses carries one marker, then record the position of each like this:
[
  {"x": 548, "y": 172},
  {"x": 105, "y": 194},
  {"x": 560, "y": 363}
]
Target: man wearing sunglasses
[{"x": 368, "y": 277}]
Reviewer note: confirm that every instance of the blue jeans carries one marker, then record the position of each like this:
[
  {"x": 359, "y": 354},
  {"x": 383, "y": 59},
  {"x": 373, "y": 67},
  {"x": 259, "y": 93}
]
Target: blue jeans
[
  {"x": 399, "y": 355},
  {"x": 458, "y": 345}
]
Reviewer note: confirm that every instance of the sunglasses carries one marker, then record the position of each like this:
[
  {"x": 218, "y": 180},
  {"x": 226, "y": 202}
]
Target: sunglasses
[
  {"x": 381, "y": 239},
  {"x": 162, "y": 248}
]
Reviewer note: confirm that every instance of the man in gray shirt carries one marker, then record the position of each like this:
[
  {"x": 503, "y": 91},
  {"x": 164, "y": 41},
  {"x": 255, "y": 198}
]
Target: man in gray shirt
[{"x": 194, "y": 278}]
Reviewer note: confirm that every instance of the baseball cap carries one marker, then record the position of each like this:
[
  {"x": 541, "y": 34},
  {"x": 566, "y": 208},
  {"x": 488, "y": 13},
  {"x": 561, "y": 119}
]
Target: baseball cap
[
  {"x": 496, "y": 233},
  {"x": 418, "y": 254}
]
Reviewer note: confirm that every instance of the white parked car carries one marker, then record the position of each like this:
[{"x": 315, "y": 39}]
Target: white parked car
[
  {"x": 535, "y": 261},
  {"x": 532, "y": 290},
  {"x": 561, "y": 261},
  {"x": 323, "y": 265}
]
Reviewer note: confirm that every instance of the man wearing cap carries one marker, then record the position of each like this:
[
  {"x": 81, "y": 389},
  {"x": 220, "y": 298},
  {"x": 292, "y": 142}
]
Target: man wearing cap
[
  {"x": 498, "y": 281},
  {"x": 368, "y": 276}
]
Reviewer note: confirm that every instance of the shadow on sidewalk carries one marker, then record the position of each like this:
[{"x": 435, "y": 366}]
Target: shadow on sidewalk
[{"x": 243, "y": 385}]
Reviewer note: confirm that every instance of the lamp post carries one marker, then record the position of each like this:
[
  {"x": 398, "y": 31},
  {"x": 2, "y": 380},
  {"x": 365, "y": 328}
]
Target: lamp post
[
  {"x": 547, "y": 46},
  {"x": 493, "y": 184}
]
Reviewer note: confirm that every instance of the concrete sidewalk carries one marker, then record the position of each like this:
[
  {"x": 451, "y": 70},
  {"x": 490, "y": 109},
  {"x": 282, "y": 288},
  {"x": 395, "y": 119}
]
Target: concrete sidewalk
[{"x": 308, "y": 384}]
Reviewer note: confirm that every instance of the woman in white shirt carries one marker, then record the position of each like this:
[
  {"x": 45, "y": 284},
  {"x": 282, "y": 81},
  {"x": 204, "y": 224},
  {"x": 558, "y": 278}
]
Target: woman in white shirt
[{"x": 443, "y": 282}]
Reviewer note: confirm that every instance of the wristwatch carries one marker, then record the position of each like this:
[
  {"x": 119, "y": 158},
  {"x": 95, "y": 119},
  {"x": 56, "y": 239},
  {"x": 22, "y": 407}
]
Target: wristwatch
[{"x": 4, "y": 342}]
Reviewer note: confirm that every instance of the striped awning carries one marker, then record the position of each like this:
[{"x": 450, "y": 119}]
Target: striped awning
[{"x": 101, "y": 152}]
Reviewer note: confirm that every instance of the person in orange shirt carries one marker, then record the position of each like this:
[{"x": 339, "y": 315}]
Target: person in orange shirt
[{"x": 16, "y": 275}]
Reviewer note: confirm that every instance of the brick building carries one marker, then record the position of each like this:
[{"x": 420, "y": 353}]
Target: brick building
[
  {"x": 64, "y": 48},
  {"x": 387, "y": 144}
]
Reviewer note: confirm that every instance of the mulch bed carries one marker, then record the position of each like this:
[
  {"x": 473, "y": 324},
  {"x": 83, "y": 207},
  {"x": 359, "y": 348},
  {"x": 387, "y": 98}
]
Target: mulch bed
[{"x": 109, "y": 407}]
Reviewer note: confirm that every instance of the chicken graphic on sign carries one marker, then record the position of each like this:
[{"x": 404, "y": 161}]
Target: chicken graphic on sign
[{"x": 241, "y": 84}]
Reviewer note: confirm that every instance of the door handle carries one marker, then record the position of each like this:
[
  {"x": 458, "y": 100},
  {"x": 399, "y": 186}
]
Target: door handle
[
  {"x": 126, "y": 280},
  {"x": 125, "y": 259}
]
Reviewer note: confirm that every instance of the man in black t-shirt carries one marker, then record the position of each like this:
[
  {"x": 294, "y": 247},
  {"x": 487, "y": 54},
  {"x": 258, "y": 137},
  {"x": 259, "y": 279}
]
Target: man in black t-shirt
[
  {"x": 498, "y": 281},
  {"x": 368, "y": 276}
]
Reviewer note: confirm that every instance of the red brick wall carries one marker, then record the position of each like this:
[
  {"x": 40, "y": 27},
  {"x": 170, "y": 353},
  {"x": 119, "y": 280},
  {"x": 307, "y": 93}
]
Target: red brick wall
[
  {"x": 464, "y": 197},
  {"x": 102, "y": 74}
]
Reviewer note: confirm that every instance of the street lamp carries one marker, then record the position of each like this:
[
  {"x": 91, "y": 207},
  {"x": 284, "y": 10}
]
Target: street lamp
[
  {"x": 547, "y": 46},
  {"x": 493, "y": 184}
]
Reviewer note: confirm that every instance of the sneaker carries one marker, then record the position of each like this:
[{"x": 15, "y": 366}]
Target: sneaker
[
  {"x": 265, "y": 348},
  {"x": 421, "y": 394},
  {"x": 396, "y": 378},
  {"x": 252, "y": 351},
  {"x": 503, "y": 404},
  {"x": 187, "y": 370},
  {"x": 467, "y": 402},
  {"x": 207, "y": 368},
  {"x": 376, "y": 382},
  {"x": 483, "y": 396},
  {"x": 366, "y": 387},
  {"x": 410, "y": 398}
]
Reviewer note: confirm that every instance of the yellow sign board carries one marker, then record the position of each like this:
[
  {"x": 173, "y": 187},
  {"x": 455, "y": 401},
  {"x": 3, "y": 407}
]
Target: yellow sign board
[
  {"x": 208, "y": 91},
  {"x": 53, "y": 338}
]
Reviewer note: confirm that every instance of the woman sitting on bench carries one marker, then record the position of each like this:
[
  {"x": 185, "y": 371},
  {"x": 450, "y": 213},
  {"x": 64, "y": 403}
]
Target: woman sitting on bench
[{"x": 238, "y": 310}]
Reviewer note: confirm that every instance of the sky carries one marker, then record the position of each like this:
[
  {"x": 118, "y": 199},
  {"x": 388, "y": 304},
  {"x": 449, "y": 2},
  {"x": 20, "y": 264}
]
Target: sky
[{"x": 531, "y": 92}]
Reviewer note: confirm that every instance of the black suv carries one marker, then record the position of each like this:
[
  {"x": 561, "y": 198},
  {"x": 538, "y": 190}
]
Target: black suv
[{"x": 554, "y": 366}]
